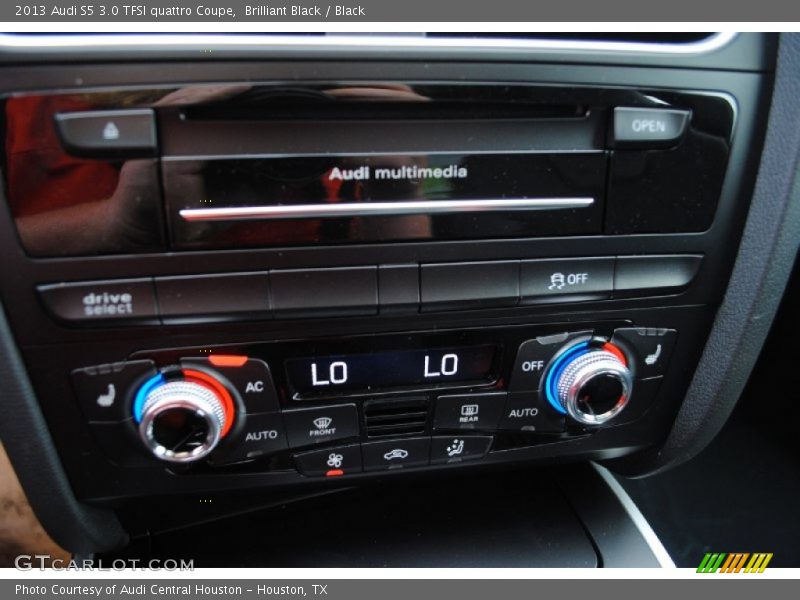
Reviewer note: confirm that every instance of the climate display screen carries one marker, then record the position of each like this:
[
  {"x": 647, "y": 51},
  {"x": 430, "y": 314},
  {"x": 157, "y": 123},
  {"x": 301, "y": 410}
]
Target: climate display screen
[{"x": 330, "y": 374}]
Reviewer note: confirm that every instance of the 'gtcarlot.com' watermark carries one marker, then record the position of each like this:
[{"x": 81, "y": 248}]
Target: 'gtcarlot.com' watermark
[{"x": 42, "y": 562}]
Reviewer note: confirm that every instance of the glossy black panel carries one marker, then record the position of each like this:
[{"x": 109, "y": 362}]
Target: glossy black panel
[
  {"x": 269, "y": 182},
  {"x": 676, "y": 189},
  {"x": 65, "y": 205}
]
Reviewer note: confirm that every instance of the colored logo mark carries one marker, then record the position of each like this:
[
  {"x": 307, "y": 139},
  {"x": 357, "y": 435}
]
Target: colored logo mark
[{"x": 744, "y": 562}]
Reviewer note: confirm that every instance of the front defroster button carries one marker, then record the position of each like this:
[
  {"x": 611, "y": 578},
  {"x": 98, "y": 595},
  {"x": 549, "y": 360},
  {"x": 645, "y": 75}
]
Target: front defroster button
[{"x": 311, "y": 426}]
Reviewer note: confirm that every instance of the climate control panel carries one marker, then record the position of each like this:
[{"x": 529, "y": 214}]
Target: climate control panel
[{"x": 433, "y": 399}]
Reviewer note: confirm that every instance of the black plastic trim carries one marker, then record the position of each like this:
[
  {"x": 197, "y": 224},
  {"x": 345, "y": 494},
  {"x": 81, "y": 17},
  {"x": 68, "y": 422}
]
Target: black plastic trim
[{"x": 763, "y": 265}]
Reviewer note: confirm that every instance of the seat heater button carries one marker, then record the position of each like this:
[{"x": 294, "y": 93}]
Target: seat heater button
[
  {"x": 651, "y": 348},
  {"x": 104, "y": 391},
  {"x": 454, "y": 449}
]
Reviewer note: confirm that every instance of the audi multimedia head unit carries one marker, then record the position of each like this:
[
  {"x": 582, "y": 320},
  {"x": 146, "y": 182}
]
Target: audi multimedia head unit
[{"x": 241, "y": 279}]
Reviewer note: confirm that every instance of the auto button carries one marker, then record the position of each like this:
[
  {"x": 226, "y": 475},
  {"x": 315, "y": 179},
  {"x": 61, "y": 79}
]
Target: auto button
[{"x": 259, "y": 436}]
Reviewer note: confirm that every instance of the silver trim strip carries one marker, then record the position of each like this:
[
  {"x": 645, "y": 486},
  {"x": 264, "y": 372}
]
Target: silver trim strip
[
  {"x": 157, "y": 42},
  {"x": 650, "y": 537},
  {"x": 372, "y": 209}
]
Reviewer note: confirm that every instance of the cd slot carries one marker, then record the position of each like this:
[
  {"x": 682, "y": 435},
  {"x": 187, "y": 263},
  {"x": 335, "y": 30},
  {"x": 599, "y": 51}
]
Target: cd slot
[
  {"x": 372, "y": 110},
  {"x": 182, "y": 138}
]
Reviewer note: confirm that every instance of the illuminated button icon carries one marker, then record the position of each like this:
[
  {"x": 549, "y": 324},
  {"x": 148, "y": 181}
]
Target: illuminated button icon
[
  {"x": 335, "y": 460},
  {"x": 455, "y": 448},
  {"x": 470, "y": 410},
  {"x": 322, "y": 422},
  {"x": 397, "y": 453},
  {"x": 107, "y": 398},
  {"x": 111, "y": 131}
]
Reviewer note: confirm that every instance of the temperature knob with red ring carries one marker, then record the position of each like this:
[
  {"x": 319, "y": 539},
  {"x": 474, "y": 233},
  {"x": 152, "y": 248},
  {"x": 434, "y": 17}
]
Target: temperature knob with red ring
[
  {"x": 589, "y": 381},
  {"x": 184, "y": 416}
]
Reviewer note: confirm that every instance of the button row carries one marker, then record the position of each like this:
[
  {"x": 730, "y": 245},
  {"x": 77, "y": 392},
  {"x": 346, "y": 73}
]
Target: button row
[
  {"x": 392, "y": 454},
  {"x": 368, "y": 290},
  {"x": 496, "y": 411}
]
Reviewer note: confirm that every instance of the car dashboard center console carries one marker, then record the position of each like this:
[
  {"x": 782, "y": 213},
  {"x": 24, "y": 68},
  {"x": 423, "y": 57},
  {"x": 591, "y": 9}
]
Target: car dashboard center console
[{"x": 287, "y": 273}]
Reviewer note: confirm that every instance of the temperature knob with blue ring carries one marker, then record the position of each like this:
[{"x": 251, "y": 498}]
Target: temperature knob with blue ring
[
  {"x": 590, "y": 383},
  {"x": 184, "y": 418}
]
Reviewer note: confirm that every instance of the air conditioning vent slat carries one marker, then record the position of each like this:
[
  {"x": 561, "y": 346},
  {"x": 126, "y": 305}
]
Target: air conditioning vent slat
[
  {"x": 415, "y": 416},
  {"x": 393, "y": 417}
]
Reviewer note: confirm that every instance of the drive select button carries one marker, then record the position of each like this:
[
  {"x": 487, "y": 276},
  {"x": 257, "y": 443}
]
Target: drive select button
[
  {"x": 100, "y": 300},
  {"x": 311, "y": 426}
]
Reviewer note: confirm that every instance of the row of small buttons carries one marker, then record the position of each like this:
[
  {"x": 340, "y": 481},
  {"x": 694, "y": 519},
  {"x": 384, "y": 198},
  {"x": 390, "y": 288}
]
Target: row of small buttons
[
  {"x": 496, "y": 411},
  {"x": 368, "y": 290},
  {"x": 392, "y": 454}
]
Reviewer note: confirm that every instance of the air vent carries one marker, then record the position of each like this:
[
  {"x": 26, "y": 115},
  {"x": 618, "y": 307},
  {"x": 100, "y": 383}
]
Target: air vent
[{"x": 403, "y": 416}]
